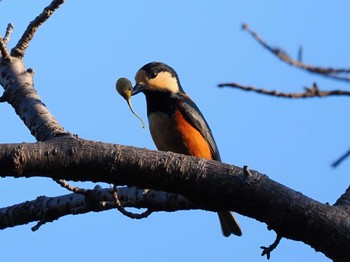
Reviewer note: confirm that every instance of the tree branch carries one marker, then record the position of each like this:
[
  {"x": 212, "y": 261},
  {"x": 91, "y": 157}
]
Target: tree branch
[
  {"x": 215, "y": 185},
  {"x": 334, "y": 73},
  {"x": 341, "y": 159},
  {"x": 344, "y": 201},
  {"x": 122, "y": 209},
  {"x": 309, "y": 92},
  {"x": 8, "y": 33},
  {"x": 18, "y": 82},
  {"x": 267, "y": 250},
  {"x": 19, "y": 50},
  {"x": 20, "y": 93},
  {"x": 3, "y": 49},
  {"x": 48, "y": 209}
]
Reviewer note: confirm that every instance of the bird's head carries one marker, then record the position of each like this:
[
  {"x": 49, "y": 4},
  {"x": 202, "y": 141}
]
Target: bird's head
[{"x": 157, "y": 76}]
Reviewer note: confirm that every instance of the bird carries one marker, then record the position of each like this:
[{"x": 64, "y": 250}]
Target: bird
[{"x": 176, "y": 124}]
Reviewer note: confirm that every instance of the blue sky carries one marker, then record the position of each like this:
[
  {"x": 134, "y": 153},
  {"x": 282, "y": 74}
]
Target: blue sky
[{"x": 86, "y": 46}]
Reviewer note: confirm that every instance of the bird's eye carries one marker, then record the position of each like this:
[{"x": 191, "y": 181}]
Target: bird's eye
[{"x": 153, "y": 74}]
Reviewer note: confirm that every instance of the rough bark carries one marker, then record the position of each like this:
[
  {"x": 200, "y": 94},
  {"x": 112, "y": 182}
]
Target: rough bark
[
  {"x": 47, "y": 209},
  {"x": 216, "y": 186}
]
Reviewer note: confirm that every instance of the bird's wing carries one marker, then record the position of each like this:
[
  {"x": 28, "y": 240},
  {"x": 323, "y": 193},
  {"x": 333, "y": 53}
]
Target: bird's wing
[{"x": 194, "y": 116}]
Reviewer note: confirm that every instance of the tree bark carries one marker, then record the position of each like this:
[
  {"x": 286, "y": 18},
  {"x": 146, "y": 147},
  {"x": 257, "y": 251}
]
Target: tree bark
[{"x": 214, "y": 185}]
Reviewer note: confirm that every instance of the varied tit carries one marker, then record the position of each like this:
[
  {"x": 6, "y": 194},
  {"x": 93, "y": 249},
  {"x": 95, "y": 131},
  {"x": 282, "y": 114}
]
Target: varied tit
[{"x": 176, "y": 124}]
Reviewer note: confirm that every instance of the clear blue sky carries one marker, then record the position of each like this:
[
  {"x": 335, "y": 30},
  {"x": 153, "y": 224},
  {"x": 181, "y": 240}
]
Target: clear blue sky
[{"x": 81, "y": 51}]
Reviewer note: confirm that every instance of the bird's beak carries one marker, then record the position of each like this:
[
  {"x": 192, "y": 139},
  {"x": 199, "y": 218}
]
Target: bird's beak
[{"x": 137, "y": 89}]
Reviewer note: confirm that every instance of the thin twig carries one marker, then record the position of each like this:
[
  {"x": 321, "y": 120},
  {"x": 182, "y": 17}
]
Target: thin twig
[
  {"x": 334, "y": 73},
  {"x": 340, "y": 159},
  {"x": 267, "y": 250},
  {"x": 122, "y": 210},
  {"x": 33, "y": 26},
  {"x": 87, "y": 193},
  {"x": 309, "y": 92},
  {"x": 300, "y": 54},
  {"x": 43, "y": 221},
  {"x": 3, "y": 49},
  {"x": 8, "y": 33},
  {"x": 63, "y": 183},
  {"x": 246, "y": 171}
]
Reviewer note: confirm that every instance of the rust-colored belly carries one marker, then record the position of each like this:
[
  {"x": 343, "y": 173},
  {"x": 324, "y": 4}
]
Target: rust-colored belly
[{"x": 175, "y": 134}]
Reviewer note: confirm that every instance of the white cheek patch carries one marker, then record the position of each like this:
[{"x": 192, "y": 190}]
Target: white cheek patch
[{"x": 164, "y": 81}]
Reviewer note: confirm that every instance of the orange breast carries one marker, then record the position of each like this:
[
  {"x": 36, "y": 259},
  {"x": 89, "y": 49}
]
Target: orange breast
[
  {"x": 194, "y": 141},
  {"x": 175, "y": 134}
]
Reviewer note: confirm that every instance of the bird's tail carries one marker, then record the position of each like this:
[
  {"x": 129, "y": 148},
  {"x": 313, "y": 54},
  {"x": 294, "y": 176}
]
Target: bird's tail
[{"x": 229, "y": 224}]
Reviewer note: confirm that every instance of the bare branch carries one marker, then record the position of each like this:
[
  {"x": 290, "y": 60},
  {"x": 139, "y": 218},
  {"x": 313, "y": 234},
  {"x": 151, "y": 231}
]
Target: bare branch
[
  {"x": 344, "y": 201},
  {"x": 48, "y": 209},
  {"x": 309, "y": 92},
  {"x": 18, "y": 82},
  {"x": 267, "y": 250},
  {"x": 246, "y": 171},
  {"x": 19, "y": 50},
  {"x": 8, "y": 33},
  {"x": 340, "y": 159},
  {"x": 74, "y": 189},
  {"x": 300, "y": 54},
  {"x": 3, "y": 49},
  {"x": 334, "y": 73},
  {"x": 122, "y": 210},
  {"x": 21, "y": 94},
  {"x": 216, "y": 186}
]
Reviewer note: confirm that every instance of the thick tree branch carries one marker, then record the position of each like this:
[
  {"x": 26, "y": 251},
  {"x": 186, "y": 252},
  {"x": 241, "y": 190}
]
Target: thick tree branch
[
  {"x": 20, "y": 93},
  {"x": 18, "y": 82},
  {"x": 335, "y": 73},
  {"x": 19, "y": 50},
  {"x": 309, "y": 92},
  {"x": 218, "y": 185}
]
